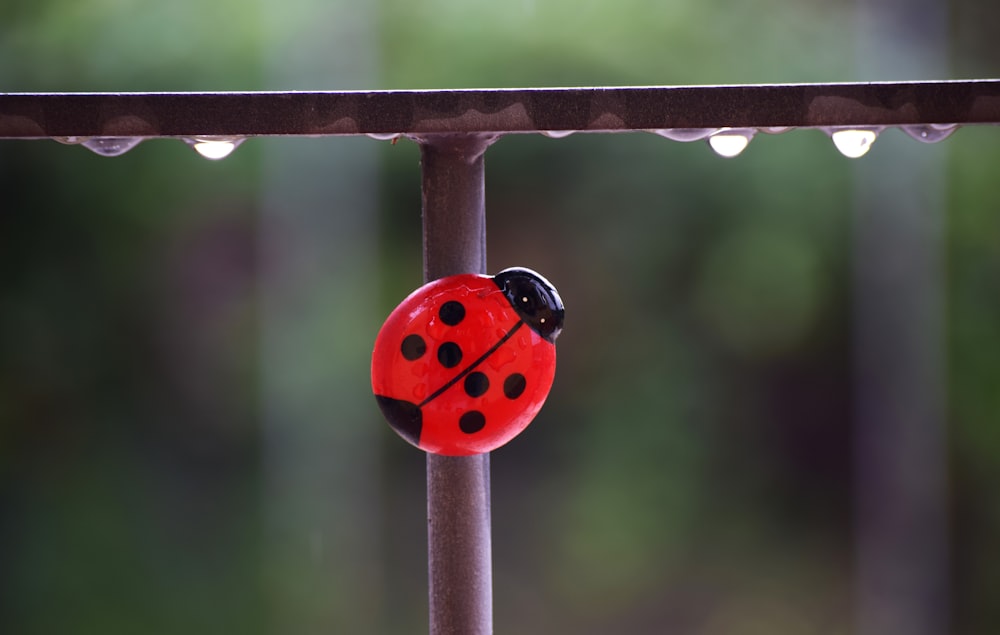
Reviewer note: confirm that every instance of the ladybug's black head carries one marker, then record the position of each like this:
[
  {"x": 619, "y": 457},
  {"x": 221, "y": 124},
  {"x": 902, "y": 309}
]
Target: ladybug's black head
[{"x": 534, "y": 299}]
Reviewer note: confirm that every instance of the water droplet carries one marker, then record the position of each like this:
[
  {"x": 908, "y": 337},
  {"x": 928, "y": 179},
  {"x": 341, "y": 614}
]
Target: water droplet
[
  {"x": 557, "y": 134},
  {"x": 111, "y": 146},
  {"x": 775, "y": 129},
  {"x": 686, "y": 134},
  {"x": 729, "y": 142},
  {"x": 853, "y": 143},
  {"x": 70, "y": 141},
  {"x": 930, "y": 133},
  {"x": 383, "y": 136},
  {"x": 215, "y": 148}
]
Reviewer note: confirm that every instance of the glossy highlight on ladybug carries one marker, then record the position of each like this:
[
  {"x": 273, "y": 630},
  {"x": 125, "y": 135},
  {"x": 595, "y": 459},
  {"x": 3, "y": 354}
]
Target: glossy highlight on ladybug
[{"x": 464, "y": 363}]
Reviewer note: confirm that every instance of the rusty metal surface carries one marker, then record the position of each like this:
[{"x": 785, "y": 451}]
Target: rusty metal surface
[{"x": 497, "y": 111}]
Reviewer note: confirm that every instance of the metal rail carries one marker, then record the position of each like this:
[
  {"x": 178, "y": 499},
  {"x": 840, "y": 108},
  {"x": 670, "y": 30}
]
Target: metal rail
[{"x": 497, "y": 111}]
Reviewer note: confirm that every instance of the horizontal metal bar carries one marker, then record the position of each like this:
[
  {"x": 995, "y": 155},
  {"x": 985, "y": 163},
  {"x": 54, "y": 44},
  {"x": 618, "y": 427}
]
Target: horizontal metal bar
[{"x": 497, "y": 111}]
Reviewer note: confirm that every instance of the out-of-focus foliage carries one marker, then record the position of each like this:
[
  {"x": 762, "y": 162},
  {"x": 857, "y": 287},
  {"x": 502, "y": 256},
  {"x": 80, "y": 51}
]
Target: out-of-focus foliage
[
  {"x": 633, "y": 42},
  {"x": 691, "y": 472}
]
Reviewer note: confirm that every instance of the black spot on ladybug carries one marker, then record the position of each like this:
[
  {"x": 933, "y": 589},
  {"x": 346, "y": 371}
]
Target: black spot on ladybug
[
  {"x": 404, "y": 417},
  {"x": 514, "y": 385},
  {"x": 413, "y": 347},
  {"x": 476, "y": 384},
  {"x": 471, "y": 422},
  {"x": 536, "y": 301},
  {"x": 452, "y": 312},
  {"x": 449, "y": 354}
]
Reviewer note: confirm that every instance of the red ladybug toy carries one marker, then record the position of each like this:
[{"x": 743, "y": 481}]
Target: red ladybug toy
[{"x": 465, "y": 362}]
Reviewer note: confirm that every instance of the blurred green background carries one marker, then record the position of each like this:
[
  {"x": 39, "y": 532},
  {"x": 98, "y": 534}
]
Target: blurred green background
[{"x": 188, "y": 443}]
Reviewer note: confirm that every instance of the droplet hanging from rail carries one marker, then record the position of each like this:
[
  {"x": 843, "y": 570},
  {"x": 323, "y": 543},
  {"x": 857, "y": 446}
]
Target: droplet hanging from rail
[
  {"x": 930, "y": 133},
  {"x": 383, "y": 136},
  {"x": 730, "y": 142},
  {"x": 557, "y": 134},
  {"x": 215, "y": 148},
  {"x": 111, "y": 146},
  {"x": 853, "y": 143},
  {"x": 686, "y": 134}
]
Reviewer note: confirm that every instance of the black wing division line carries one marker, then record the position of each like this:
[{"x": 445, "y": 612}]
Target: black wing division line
[{"x": 468, "y": 369}]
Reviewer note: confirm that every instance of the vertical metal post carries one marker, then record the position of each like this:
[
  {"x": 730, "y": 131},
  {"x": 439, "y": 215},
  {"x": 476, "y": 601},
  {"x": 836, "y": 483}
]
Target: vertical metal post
[{"x": 459, "y": 547}]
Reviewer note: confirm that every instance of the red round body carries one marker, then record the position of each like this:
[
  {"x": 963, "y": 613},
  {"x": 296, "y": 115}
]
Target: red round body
[{"x": 457, "y": 370}]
